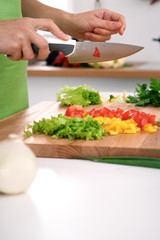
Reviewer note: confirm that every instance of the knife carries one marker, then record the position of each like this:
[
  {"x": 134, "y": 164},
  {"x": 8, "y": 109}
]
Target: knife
[{"x": 85, "y": 51}]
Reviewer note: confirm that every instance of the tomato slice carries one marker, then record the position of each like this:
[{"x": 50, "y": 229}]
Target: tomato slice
[
  {"x": 152, "y": 119},
  {"x": 96, "y": 53},
  {"x": 74, "y": 111},
  {"x": 119, "y": 115},
  {"x": 126, "y": 115},
  {"x": 104, "y": 112},
  {"x": 119, "y": 110},
  {"x": 144, "y": 122},
  {"x": 70, "y": 110},
  {"x": 92, "y": 111}
]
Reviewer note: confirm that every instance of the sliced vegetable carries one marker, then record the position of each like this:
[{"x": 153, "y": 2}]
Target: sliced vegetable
[
  {"x": 139, "y": 119},
  {"x": 119, "y": 98},
  {"x": 78, "y": 95},
  {"x": 71, "y": 128},
  {"x": 115, "y": 126}
]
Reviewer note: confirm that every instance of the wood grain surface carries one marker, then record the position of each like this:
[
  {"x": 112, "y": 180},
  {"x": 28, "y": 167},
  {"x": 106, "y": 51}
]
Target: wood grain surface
[{"x": 45, "y": 146}]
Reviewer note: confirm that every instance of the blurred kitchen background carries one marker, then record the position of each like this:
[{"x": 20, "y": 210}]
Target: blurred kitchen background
[{"x": 142, "y": 18}]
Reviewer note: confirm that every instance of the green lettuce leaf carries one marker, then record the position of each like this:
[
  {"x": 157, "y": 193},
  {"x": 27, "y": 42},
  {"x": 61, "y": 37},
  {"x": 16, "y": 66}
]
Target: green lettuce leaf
[
  {"x": 71, "y": 128},
  {"x": 78, "y": 96}
]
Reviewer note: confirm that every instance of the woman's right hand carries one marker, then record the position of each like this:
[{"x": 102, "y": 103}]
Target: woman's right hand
[{"x": 17, "y": 35}]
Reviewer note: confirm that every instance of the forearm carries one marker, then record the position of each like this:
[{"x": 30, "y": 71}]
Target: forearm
[
  {"x": 95, "y": 25},
  {"x": 35, "y": 9}
]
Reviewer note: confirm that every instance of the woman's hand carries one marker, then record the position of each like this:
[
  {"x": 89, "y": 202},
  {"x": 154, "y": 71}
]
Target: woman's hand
[
  {"x": 17, "y": 35},
  {"x": 96, "y": 25}
]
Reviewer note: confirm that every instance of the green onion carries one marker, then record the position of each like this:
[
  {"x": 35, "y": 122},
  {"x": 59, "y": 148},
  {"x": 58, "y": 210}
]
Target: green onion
[{"x": 128, "y": 160}]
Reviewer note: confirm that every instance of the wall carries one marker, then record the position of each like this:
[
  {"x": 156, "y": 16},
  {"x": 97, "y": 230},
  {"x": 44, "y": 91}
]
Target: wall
[
  {"x": 45, "y": 88},
  {"x": 143, "y": 24}
]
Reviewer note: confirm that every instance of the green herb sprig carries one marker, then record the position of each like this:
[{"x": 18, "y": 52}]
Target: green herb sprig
[{"x": 147, "y": 95}]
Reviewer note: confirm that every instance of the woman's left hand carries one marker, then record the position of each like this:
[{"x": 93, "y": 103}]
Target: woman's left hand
[{"x": 96, "y": 25}]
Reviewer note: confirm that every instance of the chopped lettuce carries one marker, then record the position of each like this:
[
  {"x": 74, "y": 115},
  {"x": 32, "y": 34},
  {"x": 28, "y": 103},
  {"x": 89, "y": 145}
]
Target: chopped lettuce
[
  {"x": 71, "y": 128},
  {"x": 78, "y": 96}
]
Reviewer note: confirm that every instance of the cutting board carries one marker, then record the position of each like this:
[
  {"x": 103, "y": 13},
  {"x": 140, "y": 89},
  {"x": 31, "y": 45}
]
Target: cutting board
[{"x": 44, "y": 146}]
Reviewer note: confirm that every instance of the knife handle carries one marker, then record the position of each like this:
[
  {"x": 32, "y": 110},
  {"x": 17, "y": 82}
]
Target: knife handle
[{"x": 66, "y": 47}]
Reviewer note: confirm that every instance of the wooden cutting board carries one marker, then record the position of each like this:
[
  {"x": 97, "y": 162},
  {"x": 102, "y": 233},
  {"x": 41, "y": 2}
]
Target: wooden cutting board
[{"x": 45, "y": 146}]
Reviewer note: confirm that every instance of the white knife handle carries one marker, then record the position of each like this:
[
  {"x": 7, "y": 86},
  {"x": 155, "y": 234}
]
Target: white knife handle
[{"x": 67, "y": 47}]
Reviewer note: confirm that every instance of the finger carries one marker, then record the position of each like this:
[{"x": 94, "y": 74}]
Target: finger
[
  {"x": 122, "y": 29},
  {"x": 49, "y": 25},
  {"x": 15, "y": 54},
  {"x": 15, "y": 57},
  {"x": 119, "y": 18},
  {"x": 28, "y": 53},
  {"x": 113, "y": 16},
  {"x": 96, "y": 38},
  {"x": 108, "y": 25},
  {"x": 42, "y": 44},
  {"x": 104, "y": 32}
]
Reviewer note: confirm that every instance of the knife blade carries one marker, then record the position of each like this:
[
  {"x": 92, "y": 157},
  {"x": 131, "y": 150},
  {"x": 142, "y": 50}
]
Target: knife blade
[{"x": 84, "y": 52}]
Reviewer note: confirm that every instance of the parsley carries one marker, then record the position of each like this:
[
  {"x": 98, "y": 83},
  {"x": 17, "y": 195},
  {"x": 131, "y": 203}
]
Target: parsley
[{"x": 147, "y": 95}]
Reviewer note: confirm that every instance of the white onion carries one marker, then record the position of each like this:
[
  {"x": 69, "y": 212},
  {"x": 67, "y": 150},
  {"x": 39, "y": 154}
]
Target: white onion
[{"x": 18, "y": 165}]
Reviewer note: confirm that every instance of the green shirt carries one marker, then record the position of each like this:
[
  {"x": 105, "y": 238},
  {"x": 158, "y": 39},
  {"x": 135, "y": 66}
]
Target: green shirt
[{"x": 13, "y": 74}]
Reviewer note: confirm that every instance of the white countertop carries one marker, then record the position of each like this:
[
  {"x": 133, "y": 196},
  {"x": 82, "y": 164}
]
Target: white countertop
[{"x": 83, "y": 200}]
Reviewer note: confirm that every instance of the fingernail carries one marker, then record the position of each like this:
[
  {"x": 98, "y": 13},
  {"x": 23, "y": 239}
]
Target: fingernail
[
  {"x": 88, "y": 34},
  {"x": 65, "y": 37},
  {"x": 96, "y": 30},
  {"x": 117, "y": 24}
]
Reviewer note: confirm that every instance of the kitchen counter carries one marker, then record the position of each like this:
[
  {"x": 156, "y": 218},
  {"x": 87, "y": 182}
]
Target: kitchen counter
[
  {"x": 73, "y": 199},
  {"x": 136, "y": 70},
  {"x": 83, "y": 200}
]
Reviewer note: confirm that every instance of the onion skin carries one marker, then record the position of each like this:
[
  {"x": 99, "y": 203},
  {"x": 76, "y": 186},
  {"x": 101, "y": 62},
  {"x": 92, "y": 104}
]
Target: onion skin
[{"x": 18, "y": 166}]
